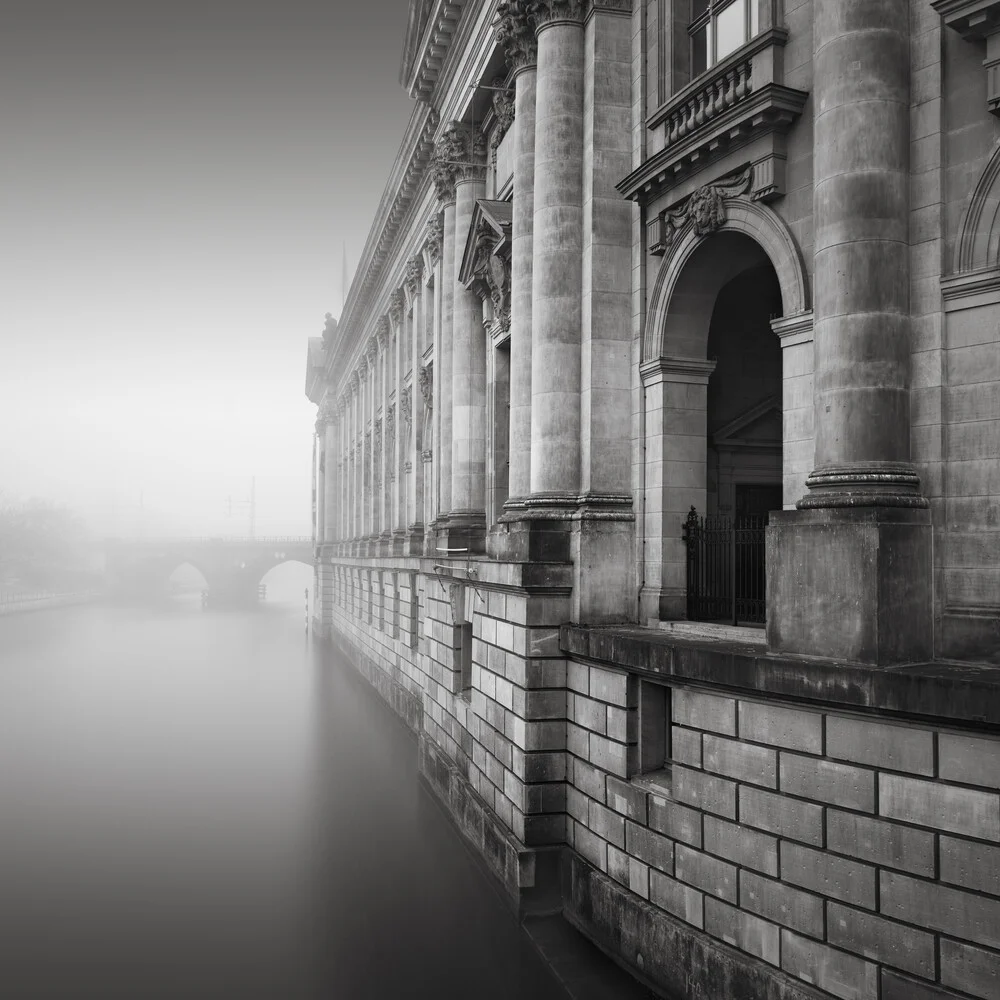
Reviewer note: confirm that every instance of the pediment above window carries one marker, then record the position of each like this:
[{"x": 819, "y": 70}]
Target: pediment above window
[{"x": 486, "y": 261}]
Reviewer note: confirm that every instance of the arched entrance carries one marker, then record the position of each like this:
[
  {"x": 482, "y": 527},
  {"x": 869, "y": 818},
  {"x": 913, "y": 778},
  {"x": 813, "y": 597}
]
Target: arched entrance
[{"x": 712, "y": 387}]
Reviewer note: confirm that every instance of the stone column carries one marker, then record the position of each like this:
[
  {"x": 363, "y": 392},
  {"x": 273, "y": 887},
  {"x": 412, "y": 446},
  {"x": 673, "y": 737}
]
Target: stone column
[
  {"x": 467, "y": 517},
  {"x": 515, "y": 31},
  {"x": 861, "y": 212},
  {"x": 387, "y": 381},
  {"x": 373, "y": 395},
  {"x": 444, "y": 179},
  {"x": 557, "y": 251},
  {"x": 353, "y": 507},
  {"x": 859, "y": 546},
  {"x": 315, "y": 487},
  {"x": 321, "y": 475},
  {"x": 409, "y": 429},
  {"x": 332, "y": 477}
]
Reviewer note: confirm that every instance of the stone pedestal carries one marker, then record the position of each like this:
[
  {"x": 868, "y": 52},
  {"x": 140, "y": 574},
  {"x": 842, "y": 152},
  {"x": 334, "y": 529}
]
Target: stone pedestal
[{"x": 851, "y": 583}]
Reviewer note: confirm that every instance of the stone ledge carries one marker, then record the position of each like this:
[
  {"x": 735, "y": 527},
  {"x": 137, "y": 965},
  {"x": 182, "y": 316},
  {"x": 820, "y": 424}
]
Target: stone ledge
[{"x": 963, "y": 693}]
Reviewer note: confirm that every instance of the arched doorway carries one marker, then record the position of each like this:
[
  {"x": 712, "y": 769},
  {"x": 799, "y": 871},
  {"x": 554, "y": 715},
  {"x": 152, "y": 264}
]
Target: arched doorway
[
  {"x": 712, "y": 388},
  {"x": 744, "y": 397}
]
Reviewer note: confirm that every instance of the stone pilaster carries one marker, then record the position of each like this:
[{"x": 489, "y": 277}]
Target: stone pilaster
[
  {"x": 859, "y": 547},
  {"x": 467, "y": 516}
]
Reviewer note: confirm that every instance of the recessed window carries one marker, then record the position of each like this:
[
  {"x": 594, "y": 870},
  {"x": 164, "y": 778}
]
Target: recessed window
[
  {"x": 654, "y": 727},
  {"x": 719, "y": 27}
]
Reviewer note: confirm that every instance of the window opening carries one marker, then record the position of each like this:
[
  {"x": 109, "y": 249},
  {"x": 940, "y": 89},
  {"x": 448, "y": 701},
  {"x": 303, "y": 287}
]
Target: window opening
[{"x": 719, "y": 27}]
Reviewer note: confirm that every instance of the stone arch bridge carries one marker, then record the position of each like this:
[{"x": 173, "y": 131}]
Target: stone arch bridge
[{"x": 232, "y": 567}]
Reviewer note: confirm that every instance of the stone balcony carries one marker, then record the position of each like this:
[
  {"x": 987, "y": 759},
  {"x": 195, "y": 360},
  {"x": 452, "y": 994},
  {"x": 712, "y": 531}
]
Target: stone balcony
[{"x": 740, "y": 102}]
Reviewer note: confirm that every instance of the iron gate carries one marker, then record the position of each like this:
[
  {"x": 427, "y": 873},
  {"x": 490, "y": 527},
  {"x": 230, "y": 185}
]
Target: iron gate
[{"x": 725, "y": 568}]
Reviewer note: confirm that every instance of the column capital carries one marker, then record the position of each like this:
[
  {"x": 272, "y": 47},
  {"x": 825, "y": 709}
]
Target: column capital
[
  {"x": 514, "y": 29},
  {"x": 442, "y": 174},
  {"x": 397, "y": 303},
  {"x": 362, "y": 371},
  {"x": 414, "y": 274},
  {"x": 432, "y": 244},
  {"x": 427, "y": 386},
  {"x": 354, "y": 381},
  {"x": 546, "y": 12},
  {"x": 464, "y": 149}
]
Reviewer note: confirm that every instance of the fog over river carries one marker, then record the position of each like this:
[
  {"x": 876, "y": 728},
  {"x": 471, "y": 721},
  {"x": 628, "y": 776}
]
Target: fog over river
[{"x": 205, "y": 804}]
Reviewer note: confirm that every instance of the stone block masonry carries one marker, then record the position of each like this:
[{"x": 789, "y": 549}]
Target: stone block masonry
[{"x": 840, "y": 853}]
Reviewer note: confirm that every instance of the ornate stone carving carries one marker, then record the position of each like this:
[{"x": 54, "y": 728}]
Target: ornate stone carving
[
  {"x": 435, "y": 231},
  {"x": 371, "y": 351},
  {"x": 329, "y": 331},
  {"x": 414, "y": 274},
  {"x": 515, "y": 33},
  {"x": 443, "y": 173},
  {"x": 354, "y": 381},
  {"x": 406, "y": 405},
  {"x": 363, "y": 368},
  {"x": 486, "y": 261},
  {"x": 546, "y": 11},
  {"x": 503, "y": 109},
  {"x": 390, "y": 439},
  {"x": 397, "y": 303},
  {"x": 427, "y": 386},
  {"x": 705, "y": 209},
  {"x": 464, "y": 149}
]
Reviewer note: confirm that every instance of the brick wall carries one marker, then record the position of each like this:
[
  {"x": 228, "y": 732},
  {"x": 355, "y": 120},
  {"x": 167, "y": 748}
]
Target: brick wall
[{"x": 853, "y": 853}]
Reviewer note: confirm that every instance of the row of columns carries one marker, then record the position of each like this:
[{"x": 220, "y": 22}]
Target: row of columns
[
  {"x": 372, "y": 443},
  {"x": 560, "y": 202}
]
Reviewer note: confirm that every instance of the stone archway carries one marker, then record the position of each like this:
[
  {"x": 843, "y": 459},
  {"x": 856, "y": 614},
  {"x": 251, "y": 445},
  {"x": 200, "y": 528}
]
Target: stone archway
[{"x": 703, "y": 256}]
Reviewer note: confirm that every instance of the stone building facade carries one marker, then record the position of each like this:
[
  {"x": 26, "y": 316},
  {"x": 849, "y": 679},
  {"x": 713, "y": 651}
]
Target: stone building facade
[{"x": 637, "y": 257}]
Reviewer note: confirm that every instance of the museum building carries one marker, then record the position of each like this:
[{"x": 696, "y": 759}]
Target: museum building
[{"x": 657, "y": 477}]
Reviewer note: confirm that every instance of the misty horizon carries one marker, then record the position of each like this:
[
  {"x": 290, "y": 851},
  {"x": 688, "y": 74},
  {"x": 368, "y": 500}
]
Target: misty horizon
[{"x": 179, "y": 194}]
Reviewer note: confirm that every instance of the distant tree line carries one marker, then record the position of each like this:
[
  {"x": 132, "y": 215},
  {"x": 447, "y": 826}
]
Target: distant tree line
[{"x": 45, "y": 546}]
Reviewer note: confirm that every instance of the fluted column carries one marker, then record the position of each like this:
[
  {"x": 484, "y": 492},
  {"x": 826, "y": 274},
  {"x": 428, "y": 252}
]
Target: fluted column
[
  {"x": 861, "y": 93},
  {"x": 557, "y": 250},
  {"x": 468, "y": 375},
  {"x": 515, "y": 31}
]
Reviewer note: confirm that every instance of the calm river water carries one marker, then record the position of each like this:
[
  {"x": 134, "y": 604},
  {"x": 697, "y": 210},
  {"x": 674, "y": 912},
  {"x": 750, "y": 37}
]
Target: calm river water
[{"x": 199, "y": 804}]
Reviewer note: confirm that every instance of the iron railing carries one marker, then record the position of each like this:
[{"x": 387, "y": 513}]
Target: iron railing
[{"x": 725, "y": 568}]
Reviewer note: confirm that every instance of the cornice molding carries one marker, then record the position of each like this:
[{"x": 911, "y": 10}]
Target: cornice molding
[{"x": 426, "y": 47}]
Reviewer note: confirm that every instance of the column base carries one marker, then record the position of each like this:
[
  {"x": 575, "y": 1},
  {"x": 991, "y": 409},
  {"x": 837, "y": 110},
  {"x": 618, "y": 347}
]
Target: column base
[
  {"x": 851, "y": 583},
  {"x": 887, "y": 484},
  {"x": 413, "y": 542},
  {"x": 463, "y": 530}
]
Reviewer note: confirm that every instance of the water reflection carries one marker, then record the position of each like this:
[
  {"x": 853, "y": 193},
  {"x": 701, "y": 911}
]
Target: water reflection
[{"x": 201, "y": 804}]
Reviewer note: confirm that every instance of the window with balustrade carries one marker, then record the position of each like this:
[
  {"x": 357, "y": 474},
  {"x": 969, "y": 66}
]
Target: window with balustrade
[{"x": 719, "y": 27}]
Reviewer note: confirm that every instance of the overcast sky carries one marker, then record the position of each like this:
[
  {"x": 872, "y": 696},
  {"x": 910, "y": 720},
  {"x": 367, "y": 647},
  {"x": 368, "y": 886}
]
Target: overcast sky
[{"x": 175, "y": 190}]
